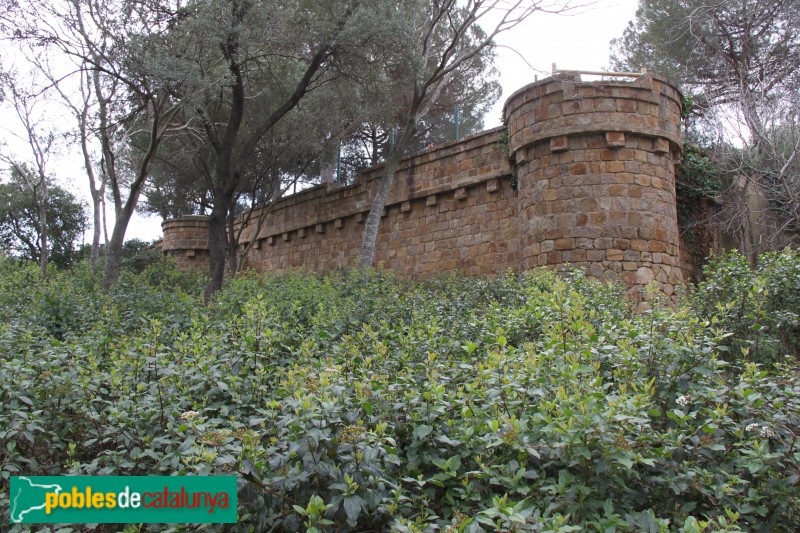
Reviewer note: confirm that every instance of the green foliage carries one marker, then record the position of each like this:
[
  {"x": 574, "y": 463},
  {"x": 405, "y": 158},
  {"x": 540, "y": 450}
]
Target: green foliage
[
  {"x": 358, "y": 401},
  {"x": 714, "y": 46},
  {"x": 19, "y": 223},
  {"x": 760, "y": 307},
  {"x": 697, "y": 180},
  {"x": 697, "y": 175}
]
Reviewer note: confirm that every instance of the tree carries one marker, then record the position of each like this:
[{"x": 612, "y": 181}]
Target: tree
[
  {"x": 82, "y": 108},
  {"x": 369, "y": 143},
  {"x": 115, "y": 44},
  {"x": 740, "y": 64},
  {"x": 437, "y": 42},
  {"x": 241, "y": 81},
  {"x": 293, "y": 151},
  {"x": 20, "y": 228},
  {"x": 32, "y": 178}
]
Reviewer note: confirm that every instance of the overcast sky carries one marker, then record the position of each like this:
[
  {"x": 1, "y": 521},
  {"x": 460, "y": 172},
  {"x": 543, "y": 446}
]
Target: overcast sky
[{"x": 577, "y": 41}]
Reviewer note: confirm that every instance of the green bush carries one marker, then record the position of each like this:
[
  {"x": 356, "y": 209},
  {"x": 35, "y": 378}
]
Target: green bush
[
  {"x": 761, "y": 306},
  {"x": 359, "y": 401}
]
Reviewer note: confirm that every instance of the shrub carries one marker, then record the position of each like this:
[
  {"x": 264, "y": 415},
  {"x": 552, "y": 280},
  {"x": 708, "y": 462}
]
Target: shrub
[
  {"x": 761, "y": 306},
  {"x": 358, "y": 401}
]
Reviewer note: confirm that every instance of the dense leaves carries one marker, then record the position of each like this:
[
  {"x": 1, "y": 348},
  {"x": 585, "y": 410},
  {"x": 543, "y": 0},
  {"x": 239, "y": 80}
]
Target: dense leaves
[
  {"x": 20, "y": 231},
  {"x": 359, "y": 402}
]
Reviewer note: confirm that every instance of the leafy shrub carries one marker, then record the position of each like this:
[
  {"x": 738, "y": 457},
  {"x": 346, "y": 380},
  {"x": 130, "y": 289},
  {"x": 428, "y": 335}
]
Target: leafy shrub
[
  {"x": 761, "y": 306},
  {"x": 358, "y": 401}
]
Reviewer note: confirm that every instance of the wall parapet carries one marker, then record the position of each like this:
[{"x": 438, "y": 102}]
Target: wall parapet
[{"x": 596, "y": 188}]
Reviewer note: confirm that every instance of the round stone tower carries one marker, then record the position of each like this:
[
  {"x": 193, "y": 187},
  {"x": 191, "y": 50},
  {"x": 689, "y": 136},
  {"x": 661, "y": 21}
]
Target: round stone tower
[
  {"x": 186, "y": 241},
  {"x": 595, "y": 171}
]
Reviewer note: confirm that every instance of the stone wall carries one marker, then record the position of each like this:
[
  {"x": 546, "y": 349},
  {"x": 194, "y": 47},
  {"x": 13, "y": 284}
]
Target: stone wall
[{"x": 585, "y": 177}]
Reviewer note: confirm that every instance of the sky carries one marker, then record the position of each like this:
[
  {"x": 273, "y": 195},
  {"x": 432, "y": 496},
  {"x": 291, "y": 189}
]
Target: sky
[{"x": 575, "y": 41}]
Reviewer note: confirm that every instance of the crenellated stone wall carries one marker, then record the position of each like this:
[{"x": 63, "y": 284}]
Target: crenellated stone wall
[{"x": 582, "y": 174}]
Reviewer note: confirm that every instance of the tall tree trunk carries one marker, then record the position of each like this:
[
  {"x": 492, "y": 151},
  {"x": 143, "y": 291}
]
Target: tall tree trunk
[
  {"x": 126, "y": 210},
  {"x": 114, "y": 248},
  {"x": 371, "y": 227},
  {"x": 231, "y": 241},
  {"x": 105, "y": 221},
  {"x": 97, "y": 224},
  {"x": 95, "y": 192},
  {"x": 217, "y": 244}
]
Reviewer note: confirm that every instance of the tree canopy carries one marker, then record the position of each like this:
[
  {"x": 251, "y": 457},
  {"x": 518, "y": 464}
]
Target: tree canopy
[
  {"x": 20, "y": 231},
  {"x": 738, "y": 64},
  {"x": 216, "y": 105}
]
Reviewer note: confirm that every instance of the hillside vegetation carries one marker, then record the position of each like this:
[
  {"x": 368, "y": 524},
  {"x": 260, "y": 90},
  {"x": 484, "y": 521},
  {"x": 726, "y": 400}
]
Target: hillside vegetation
[{"x": 361, "y": 402}]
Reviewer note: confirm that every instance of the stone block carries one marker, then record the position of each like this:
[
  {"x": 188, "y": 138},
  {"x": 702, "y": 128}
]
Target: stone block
[
  {"x": 644, "y": 275},
  {"x": 461, "y": 193},
  {"x": 430, "y": 201},
  {"x": 565, "y": 244},
  {"x": 633, "y": 255},
  {"x": 338, "y": 223},
  {"x": 615, "y": 139},
  {"x": 602, "y": 243},
  {"x": 597, "y": 270},
  {"x": 492, "y": 185},
  {"x": 559, "y": 144},
  {"x": 628, "y": 277},
  {"x": 614, "y": 254},
  {"x": 320, "y": 228},
  {"x": 608, "y": 155},
  {"x": 660, "y": 145},
  {"x": 615, "y": 166},
  {"x": 301, "y": 232}
]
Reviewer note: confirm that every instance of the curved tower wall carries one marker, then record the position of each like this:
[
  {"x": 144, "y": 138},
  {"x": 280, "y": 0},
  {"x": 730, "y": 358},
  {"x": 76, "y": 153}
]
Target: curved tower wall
[
  {"x": 595, "y": 170},
  {"x": 186, "y": 241}
]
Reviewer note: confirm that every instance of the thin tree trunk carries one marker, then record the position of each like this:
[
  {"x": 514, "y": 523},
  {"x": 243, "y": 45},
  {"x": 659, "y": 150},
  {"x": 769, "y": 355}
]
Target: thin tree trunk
[
  {"x": 231, "y": 241},
  {"x": 105, "y": 222},
  {"x": 43, "y": 228},
  {"x": 96, "y": 194},
  {"x": 371, "y": 227},
  {"x": 97, "y": 223}
]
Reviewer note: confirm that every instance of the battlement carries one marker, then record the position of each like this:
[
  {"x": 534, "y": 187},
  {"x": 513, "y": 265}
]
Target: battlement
[{"x": 585, "y": 176}]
